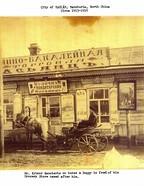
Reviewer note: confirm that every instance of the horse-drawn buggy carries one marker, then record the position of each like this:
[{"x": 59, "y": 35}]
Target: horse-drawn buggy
[
  {"x": 88, "y": 140},
  {"x": 84, "y": 135}
]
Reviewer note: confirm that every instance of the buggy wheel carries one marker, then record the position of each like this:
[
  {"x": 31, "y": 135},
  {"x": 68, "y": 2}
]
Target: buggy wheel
[
  {"x": 102, "y": 143},
  {"x": 87, "y": 143}
]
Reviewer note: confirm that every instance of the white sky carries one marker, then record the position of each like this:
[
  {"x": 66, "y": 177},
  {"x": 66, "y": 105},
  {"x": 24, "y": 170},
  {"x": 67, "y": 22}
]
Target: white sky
[{"x": 56, "y": 34}]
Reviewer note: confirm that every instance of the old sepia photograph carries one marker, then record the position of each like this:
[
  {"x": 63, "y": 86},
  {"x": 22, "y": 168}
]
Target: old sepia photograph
[{"x": 72, "y": 92}]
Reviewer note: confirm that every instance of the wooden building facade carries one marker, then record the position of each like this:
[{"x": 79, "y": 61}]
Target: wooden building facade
[{"x": 64, "y": 85}]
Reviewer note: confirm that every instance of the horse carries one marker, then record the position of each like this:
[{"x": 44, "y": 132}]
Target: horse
[{"x": 37, "y": 126}]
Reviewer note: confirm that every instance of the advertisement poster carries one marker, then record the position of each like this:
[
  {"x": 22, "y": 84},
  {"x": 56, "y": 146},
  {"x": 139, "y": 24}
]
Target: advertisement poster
[
  {"x": 81, "y": 105},
  {"x": 87, "y": 51},
  {"x": 17, "y": 103},
  {"x": 67, "y": 102},
  {"x": 30, "y": 103}
]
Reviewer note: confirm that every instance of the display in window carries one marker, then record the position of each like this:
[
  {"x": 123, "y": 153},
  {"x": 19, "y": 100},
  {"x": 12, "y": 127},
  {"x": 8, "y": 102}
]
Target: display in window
[
  {"x": 104, "y": 107},
  {"x": 54, "y": 112},
  {"x": 9, "y": 111}
]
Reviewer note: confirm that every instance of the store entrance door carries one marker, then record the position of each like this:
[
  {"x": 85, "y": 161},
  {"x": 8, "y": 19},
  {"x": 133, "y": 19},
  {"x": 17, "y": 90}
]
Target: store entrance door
[
  {"x": 54, "y": 109},
  {"x": 50, "y": 107}
]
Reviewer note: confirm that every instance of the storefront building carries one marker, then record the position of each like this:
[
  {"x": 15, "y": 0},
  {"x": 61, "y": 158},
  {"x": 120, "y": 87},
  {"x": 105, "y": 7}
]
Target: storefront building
[{"x": 64, "y": 85}]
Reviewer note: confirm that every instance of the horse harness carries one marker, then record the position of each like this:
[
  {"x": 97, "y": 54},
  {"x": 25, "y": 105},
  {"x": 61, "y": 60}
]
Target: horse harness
[{"x": 31, "y": 124}]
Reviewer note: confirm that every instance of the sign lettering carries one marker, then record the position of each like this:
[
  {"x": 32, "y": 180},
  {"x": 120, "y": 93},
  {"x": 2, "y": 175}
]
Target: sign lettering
[
  {"x": 76, "y": 60},
  {"x": 41, "y": 87}
]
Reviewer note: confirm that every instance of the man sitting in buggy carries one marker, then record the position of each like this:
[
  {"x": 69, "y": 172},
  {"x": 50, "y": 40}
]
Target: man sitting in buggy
[
  {"x": 91, "y": 122},
  {"x": 84, "y": 124}
]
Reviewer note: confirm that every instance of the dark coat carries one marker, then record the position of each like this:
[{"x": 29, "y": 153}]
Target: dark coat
[{"x": 91, "y": 122}]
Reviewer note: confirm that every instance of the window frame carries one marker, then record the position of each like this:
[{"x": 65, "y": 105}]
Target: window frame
[
  {"x": 98, "y": 100},
  {"x": 47, "y": 106}
]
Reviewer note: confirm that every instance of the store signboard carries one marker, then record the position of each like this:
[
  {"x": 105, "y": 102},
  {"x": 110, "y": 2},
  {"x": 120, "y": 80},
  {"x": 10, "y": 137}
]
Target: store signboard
[
  {"x": 41, "y": 87},
  {"x": 60, "y": 61},
  {"x": 67, "y": 106},
  {"x": 81, "y": 104}
]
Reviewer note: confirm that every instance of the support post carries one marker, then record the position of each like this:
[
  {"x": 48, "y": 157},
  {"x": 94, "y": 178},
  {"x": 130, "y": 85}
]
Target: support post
[
  {"x": 1, "y": 134},
  {"x": 1, "y": 104},
  {"x": 128, "y": 129},
  {"x": 1, "y": 114}
]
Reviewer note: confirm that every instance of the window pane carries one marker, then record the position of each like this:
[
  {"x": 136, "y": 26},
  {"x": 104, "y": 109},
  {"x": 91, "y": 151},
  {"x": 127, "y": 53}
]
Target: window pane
[
  {"x": 11, "y": 98},
  {"x": 106, "y": 93},
  {"x": 54, "y": 101},
  {"x": 6, "y": 99},
  {"x": 44, "y": 112},
  {"x": 43, "y": 102},
  {"x": 104, "y": 119},
  {"x": 54, "y": 112},
  {"x": 104, "y": 107},
  {"x": 91, "y": 94},
  {"x": 98, "y": 94},
  {"x": 95, "y": 105},
  {"x": 9, "y": 111},
  {"x": 99, "y": 99}
]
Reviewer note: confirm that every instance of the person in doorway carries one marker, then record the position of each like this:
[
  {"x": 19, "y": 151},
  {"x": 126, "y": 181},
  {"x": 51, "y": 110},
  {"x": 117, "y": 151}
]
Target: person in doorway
[{"x": 92, "y": 120}]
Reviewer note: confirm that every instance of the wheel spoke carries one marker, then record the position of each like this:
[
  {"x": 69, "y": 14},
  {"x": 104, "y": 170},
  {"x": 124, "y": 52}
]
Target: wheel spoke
[
  {"x": 87, "y": 143},
  {"x": 92, "y": 148},
  {"x": 84, "y": 140},
  {"x": 82, "y": 143},
  {"x": 102, "y": 144},
  {"x": 87, "y": 140}
]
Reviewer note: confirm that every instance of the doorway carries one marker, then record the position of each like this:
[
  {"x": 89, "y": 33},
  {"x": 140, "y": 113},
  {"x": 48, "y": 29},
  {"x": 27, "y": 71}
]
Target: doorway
[{"x": 50, "y": 107}]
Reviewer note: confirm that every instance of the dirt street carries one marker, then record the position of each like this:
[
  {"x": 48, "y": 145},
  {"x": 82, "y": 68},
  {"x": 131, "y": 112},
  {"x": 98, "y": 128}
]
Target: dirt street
[{"x": 36, "y": 159}]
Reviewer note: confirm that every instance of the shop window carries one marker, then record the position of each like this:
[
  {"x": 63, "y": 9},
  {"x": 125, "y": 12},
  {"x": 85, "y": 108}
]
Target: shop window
[
  {"x": 98, "y": 94},
  {"x": 8, "y": 102},
  {"x": 44, "y": 107},
  {"x": 8, "y": 98},
  {"x": 50, "y": 105},
  {"x": 106, "y": 93},
  {"x": 99, "y": 99},
  {"x": 90, "y": 94},
  {"x": 8, "y": 111}
]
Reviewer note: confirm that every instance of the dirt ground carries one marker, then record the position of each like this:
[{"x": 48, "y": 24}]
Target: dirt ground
[{"x": 115, "y": 156}]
